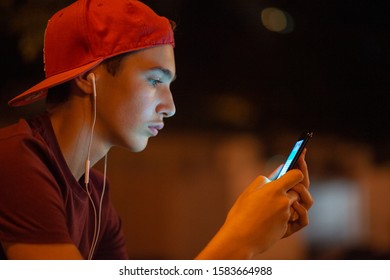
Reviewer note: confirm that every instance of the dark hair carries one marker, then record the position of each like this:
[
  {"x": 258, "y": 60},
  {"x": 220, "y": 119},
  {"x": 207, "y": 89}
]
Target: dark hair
[{"x": 113, "y": 64}]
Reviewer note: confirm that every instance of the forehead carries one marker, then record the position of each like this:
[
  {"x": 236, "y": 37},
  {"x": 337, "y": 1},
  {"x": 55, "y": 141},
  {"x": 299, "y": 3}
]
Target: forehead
[{"x": 155, "y": 57}]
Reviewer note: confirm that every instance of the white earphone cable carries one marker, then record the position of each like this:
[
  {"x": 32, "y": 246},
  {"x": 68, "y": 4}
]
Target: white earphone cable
[
  {"x": 87, "y": 163},
  {"x": 99, "y": 220},
  {"x": 97, "y": 214}
]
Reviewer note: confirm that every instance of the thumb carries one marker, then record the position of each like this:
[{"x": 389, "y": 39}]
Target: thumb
[
  {"x": 290, "y": 179},
  {"x": 258, "y": 183}
]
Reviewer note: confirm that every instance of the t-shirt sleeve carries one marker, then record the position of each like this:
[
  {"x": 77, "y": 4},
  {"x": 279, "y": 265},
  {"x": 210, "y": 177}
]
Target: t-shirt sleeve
[{"x": 31, "y": 204}]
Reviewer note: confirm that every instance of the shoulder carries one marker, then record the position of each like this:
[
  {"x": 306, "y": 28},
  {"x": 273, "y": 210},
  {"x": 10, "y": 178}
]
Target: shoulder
[
  {"x": 16, "y": 130},
  {"x": 15, "y": 140},
  {"x": 22, "y": 152},
  {"x": 19, "y": 141}
]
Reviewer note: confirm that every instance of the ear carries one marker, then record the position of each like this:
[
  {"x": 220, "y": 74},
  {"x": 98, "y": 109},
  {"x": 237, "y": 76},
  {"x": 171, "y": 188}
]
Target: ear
[{"x": 85, "y": 82}]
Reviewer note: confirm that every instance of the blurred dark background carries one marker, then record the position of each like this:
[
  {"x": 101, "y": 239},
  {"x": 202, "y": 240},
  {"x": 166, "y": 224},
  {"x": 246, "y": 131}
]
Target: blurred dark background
[{"x": 325, "y": 65}]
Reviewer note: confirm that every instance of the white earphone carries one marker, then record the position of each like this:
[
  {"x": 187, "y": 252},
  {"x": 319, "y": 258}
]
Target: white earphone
[
  {"x": 91, "y": 77},
  {"x": 97, "y": 212}
]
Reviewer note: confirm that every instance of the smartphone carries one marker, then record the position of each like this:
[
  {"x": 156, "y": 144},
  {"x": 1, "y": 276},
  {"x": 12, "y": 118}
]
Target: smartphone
[{"x": 295, "y": 153}]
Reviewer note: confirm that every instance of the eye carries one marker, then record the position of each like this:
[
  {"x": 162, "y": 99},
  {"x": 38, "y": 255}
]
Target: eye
[{"x": 154, "y": 81}]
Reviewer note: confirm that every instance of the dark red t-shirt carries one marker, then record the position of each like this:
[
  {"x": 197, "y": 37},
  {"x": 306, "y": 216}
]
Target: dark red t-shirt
[{"x": 42, "y": 202}]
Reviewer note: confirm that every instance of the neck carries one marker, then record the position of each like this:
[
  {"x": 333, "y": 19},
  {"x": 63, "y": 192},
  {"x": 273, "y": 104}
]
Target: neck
[{"x": 72, "y": 124}]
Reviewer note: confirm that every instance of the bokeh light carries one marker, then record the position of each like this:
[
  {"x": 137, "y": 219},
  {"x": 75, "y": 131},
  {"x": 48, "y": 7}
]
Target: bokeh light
[{"x": 277, "y": 20}]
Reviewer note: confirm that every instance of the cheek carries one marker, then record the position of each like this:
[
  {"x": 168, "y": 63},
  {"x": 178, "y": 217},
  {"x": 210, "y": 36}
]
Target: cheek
[
  {"x": 134, "y": 107},
  {"x": 126, "y": 103}
]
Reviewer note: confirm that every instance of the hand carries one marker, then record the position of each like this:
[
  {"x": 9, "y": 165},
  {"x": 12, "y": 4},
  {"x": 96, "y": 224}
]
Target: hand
[
  {"x": 261, "y": 216},
  {"x": 257, "y": 220},
  {"x": 299, "y": 213},
  {"x": 308, "y": 202}
]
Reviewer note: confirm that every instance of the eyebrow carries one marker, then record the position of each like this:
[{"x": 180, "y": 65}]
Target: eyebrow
[{"x": 166, "y": 72}]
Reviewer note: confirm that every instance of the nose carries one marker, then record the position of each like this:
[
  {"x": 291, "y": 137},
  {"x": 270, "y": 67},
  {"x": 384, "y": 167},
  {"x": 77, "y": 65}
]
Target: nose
[{"x": 166, "y": 107}]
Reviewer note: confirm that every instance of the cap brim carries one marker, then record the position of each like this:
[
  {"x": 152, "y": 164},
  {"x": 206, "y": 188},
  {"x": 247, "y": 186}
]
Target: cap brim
[{"x": 39, "y": 91}]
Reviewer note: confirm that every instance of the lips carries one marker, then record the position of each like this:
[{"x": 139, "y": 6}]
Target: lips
[{"x": 155, "y": 128}]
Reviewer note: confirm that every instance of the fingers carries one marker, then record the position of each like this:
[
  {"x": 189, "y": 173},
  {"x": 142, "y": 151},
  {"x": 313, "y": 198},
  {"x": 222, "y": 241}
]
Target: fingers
[
  {"x": 300, "y": 221},
  {"x": 302, "y": 213},
  {"x": 303, "y": 167},
  {"x": 293, "y": 195},
  {"x": 290, "y": 179},
  {"x": 305, "y": 198},
  {"x": 293, "y": 215}
]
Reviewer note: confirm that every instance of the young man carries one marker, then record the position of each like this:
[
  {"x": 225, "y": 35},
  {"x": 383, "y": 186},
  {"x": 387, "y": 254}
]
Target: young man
[{"x": 109, "y": 65}]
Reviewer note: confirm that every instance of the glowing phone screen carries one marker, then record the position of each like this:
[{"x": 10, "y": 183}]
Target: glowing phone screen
[{"x": 290, "y": 158}]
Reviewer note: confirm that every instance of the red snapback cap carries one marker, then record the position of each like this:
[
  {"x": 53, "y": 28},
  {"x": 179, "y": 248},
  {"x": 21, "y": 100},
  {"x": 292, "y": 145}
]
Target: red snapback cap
[{"x": 82, "y": 35}]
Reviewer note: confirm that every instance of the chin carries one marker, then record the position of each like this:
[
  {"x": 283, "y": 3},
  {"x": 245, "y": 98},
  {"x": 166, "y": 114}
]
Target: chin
[
  {"x": 138, "y": 147},
  {"x": 138, "y": 150}
]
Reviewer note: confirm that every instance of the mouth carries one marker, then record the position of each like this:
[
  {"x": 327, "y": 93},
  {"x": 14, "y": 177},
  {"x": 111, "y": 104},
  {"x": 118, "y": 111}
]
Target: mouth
[{"x": 154, "y": 129}]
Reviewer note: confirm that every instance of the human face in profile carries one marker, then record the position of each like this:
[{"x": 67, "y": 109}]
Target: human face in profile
[{"x": 133, "y": 103}]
